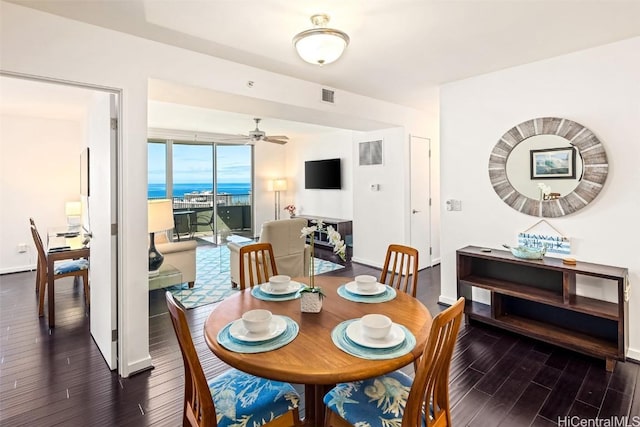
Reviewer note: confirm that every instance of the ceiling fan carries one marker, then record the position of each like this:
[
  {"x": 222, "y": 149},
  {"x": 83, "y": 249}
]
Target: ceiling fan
[{"x": 258, "y": 135}]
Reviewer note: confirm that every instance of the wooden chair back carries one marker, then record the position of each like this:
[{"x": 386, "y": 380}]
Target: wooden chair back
[
  {"x": 430, "y": 387},
  {"x": 198, "y": 403},
  {"x": 401, "y": 269},
  {"x": 40, "y": 267},
  {"x": 42, "y": 273},
  {"x": 257, "y": 264}
]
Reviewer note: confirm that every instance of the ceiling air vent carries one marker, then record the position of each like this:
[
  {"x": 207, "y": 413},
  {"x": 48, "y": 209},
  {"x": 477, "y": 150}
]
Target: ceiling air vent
[{"x": 328, "y": 95}]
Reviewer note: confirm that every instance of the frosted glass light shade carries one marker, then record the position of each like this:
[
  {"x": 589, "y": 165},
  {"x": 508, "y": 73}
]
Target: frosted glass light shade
[{"x": 320, "y": 45}]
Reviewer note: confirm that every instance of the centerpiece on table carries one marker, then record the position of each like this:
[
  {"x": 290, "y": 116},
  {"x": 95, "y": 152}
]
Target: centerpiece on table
[{"x": 311, "y": 295}]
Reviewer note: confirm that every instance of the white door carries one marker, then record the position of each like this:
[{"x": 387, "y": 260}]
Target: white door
[
  {"x": 420, "y": 152},
  {"x": 101, "y": 136}
]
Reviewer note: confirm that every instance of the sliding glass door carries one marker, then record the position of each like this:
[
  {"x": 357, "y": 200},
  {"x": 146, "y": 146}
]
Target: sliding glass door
[
  {"x": 210, "y": 184},
  {"x": 234, "y": 171}
]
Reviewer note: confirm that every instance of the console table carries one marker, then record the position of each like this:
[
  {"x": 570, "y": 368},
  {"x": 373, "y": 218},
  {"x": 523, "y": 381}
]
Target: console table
[
  {"x": 538, "y": 298},
  {"x": 342, "y": 226}
]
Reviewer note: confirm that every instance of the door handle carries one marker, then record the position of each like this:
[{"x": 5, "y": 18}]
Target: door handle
[{"x": 415, "y": 211}]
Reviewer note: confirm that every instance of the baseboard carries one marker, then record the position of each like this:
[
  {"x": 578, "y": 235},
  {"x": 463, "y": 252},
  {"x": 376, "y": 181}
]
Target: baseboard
[
  {"x": 446, "y": 300},
  {"x": 367, "y": 262},
  {"x": 435, "y": 262},
  {"x": 633, "y": 354},
  {"x": 137, "y": 367},
  {"x": 17, "y": 269}
]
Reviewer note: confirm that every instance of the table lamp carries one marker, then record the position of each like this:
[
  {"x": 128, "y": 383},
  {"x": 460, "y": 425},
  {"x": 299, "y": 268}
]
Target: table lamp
[
  {"x": 160, "y": 218},
  {"x": 277, "y": 185},
  {"x": 73, "y": 210}
]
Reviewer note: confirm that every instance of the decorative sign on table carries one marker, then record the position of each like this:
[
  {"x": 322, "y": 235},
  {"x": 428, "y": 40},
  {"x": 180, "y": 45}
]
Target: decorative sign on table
[{"x": 543, "y": 233}]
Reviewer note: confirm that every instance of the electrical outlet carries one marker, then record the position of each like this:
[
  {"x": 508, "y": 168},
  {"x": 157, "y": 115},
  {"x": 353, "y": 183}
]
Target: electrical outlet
[{"x": 22, "y": 248}]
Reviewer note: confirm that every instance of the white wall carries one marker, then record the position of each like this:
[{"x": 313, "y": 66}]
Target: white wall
[
  {"x": 325, "y": 203},
  {"x": 65, "y": 49},
  {"x": 382, "y": 216},
  {"x": 39, "y": 171},
  {"x": 598, "y": 88}
]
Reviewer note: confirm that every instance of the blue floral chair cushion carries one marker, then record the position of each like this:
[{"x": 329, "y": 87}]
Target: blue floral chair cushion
[
  {"x": 374, "y": 402},
  {"x": 69, "y": 266},
  {"x": 245, "y": 400}
]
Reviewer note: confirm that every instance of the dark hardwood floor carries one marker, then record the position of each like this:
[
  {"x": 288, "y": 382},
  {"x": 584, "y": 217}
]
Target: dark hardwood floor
[{"x": 58, "y": 377}]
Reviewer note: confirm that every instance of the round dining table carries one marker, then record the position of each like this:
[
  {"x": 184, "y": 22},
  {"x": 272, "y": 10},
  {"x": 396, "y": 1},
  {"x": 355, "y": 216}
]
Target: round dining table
[{"x": 312, "y": 358}]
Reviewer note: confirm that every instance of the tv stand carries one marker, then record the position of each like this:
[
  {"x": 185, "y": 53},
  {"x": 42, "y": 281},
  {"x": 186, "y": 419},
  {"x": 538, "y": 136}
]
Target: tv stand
[
  {"x": 538, "y": 298},
  {"x": 342, "y": 226}
]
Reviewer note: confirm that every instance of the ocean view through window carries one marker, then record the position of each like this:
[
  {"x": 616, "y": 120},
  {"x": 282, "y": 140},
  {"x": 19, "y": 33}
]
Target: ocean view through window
[{"x": 210, "y": 185}]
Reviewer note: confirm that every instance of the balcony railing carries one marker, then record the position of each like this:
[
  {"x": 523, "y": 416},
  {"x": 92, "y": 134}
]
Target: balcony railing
[{"x": 204, "y": 200}]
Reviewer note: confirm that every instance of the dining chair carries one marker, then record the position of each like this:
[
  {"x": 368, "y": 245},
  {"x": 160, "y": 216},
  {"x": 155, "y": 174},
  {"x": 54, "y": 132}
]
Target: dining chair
[
  {"x": 401, "y": 268},
  {"x": 257, "y": 264},
  {"x": 396, "y": 399},
  {"x": 240, "y": 398},
  {"x": 76, "y": 268},
  {"x": 39, "y": 268}
]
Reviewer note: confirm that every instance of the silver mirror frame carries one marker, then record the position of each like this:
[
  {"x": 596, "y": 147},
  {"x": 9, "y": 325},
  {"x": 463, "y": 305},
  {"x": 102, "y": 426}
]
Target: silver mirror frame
[{"x": 594, "y": 158}]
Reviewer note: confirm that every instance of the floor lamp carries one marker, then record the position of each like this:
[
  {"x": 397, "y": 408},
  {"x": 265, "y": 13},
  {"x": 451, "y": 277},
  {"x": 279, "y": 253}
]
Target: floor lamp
[
  {"x": 278, "y": 185},
  {"x": 160, "y": 218}
]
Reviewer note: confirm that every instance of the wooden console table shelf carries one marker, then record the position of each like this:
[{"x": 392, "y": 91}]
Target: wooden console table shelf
[
  {"x": 342, "y": 226},
  {"x": 538, "y": 298}
]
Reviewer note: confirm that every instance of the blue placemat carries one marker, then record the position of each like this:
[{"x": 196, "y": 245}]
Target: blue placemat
[
  {"x": 387, "y": 295},
  {"x": 340, "y": 339},
  {"x": 258, "y": 293},
  {"x": 227, "y": 341}
]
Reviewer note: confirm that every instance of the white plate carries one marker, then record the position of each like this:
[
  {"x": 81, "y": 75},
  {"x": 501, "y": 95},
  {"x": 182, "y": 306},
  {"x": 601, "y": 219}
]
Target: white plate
[
  {"x": 395, "y": 337},
  {"x": 277, "y": 327},
  {"x": 291, "y": 288},
  {"x": 353, "y": 288}
]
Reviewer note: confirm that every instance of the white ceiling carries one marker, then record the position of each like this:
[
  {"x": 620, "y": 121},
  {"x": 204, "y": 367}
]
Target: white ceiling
[{"x": 400, "y": 49}]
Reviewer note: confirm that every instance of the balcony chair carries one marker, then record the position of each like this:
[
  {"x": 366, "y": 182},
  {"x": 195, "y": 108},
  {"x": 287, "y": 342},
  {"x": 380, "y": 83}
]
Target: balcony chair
[
  {"x": 290, "y": 251},
  {"x": 202, "y": 219},
  {"x": 77, "y": 268},
  {"x": 262, "y": 399},
  {"x": 180, "y": 255},
  {"x": 253, "y": 268},
  {"x": 401, "y": 269},
  {"x": 396, "y": 399}
]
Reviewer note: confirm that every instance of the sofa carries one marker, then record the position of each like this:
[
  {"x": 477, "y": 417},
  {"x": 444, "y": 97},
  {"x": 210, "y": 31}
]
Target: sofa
[
  {"x": 289, "y": 250},
  {"x": 181, "y": 255}
]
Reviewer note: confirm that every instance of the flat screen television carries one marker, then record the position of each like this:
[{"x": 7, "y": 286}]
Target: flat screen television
[{"x": 322, "y": 174}]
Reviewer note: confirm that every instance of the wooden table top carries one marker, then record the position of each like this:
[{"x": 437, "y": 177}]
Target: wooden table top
[{"x": 312, "y": 357}]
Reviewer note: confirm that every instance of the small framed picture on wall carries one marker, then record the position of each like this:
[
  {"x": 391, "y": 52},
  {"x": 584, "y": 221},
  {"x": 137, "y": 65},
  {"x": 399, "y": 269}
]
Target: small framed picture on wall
[{"x": 553, "y": 163}]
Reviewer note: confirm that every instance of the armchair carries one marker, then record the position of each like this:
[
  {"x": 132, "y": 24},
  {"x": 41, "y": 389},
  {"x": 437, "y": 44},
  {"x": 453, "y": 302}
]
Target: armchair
[
  {"x": 181, "y": 255},
  {"x": 290, "y": 250}
]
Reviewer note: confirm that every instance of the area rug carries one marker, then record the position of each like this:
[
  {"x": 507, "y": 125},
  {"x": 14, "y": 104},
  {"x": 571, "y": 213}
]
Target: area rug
[{"x": 213, "y": 281}]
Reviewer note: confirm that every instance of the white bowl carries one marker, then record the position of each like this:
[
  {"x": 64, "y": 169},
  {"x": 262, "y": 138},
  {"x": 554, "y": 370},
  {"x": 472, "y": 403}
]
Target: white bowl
[
  {"x": 279, "y": 283},
  {"x": 256, "y": 321},
  {"x": 375, "y": 326},
  {"x": 366, "y": 283}
]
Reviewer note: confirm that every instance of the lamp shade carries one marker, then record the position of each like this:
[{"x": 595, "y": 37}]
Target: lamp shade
[
  {"x": 280, "y": 184},
  {"x": 320, "y": 45},
  {"x": 160, "y": 215},
  {"x": 73, "y": 208}
]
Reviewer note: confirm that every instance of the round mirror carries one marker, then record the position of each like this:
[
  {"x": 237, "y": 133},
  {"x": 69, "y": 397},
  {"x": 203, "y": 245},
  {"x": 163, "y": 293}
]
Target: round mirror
[{"x": 548, "y": 167}]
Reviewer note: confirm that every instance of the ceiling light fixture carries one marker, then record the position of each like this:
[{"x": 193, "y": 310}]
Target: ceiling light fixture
[{"x": 320, "y": 45}]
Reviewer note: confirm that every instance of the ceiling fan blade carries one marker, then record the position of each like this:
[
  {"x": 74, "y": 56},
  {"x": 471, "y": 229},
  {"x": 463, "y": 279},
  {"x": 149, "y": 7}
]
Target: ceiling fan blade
[
  {"x": 278, "y": 137},
  {"x": 277, "y": 141}
]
